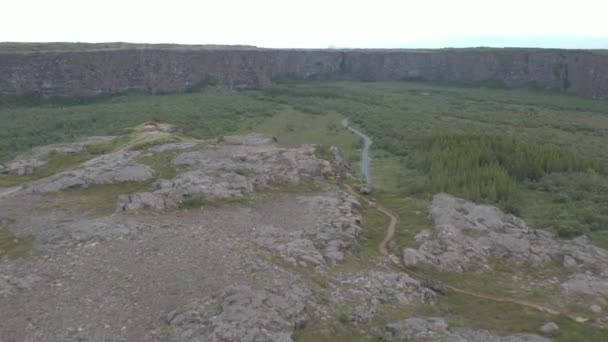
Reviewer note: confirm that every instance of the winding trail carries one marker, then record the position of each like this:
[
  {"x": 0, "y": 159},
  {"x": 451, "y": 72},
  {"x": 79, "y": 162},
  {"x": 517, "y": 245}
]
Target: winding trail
[{"x": 394, "y": 220}]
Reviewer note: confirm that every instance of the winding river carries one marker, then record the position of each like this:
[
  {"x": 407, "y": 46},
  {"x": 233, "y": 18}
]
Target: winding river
[{"x": 367, "y": 142}]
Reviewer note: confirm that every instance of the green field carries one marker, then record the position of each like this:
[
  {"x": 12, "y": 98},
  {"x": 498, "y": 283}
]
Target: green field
[{"x": 539, "y": 155}]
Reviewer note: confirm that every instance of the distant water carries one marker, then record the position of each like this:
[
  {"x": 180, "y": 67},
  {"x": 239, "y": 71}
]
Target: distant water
[{"x": 367, "y": 142}]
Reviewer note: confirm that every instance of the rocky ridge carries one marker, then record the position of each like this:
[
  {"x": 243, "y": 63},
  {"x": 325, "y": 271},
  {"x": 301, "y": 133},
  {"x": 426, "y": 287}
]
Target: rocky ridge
[
  {"x": 27, "y": 163},
  {"x": 467, "y": 236},
  {"x": 233, "y": 168}
]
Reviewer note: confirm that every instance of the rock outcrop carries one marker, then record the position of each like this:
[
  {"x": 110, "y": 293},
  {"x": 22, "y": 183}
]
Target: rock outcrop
[
  {"x": 335, "y": 232},
  {"x": 173, "y": 68},
  {"x": 436, "y": 329},
  {"x": 247, "y": 314},
  {"x": 116, "y": 167},
  {"x": 468, "y": 235},
  {"x": 232, "y": 168},
  {"x": 26, "y": 164}
]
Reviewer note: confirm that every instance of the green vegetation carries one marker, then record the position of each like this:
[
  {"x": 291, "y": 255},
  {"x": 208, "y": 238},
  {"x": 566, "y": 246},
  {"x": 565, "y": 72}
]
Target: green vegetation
[
  {"x": 488, "y": 168},
  {"x": 536, "y": 154},
  {"x": 489, "y": 145},
  {"x": 293, "y": 128},
  {"x": 13, "y": 246},
  {"x": 95, "y": 200},
  {"x": 197, "y": 114}
]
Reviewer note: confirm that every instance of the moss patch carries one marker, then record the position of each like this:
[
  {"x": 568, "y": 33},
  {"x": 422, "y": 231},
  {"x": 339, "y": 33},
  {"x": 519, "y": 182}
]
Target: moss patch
[{"x": 14, "y": 246}]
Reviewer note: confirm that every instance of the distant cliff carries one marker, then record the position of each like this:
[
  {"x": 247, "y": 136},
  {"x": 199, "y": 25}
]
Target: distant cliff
[{"x": 108, "y": 70}]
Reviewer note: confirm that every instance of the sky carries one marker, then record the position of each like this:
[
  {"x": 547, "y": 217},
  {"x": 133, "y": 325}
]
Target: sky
[{"x": 312, "y": 23}]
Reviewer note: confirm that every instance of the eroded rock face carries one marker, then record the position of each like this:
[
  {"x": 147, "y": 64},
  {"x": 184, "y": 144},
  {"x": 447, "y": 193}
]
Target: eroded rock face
[
  {"x": 436, "y": 329},
  {"x": 233, "y": 168},
  {"x": 116, "y": 167},
  {"x": 247, "y": 315},
  {"x": 26, "y": 164}
]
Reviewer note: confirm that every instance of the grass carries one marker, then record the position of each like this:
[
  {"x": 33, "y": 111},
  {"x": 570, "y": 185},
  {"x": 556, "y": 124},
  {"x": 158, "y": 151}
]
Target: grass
[
  {"x": 401, "y": 116},
  {"x": 15, "y": 246},
  {"x": 161, "y": 163},
  {"x": 197, "y": 114},
  {"x": 293, "y": 128}
]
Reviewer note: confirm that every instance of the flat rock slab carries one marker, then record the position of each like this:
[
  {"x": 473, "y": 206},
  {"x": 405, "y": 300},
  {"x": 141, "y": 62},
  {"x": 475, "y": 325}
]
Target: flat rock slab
[{"x": 113, "y": 168}]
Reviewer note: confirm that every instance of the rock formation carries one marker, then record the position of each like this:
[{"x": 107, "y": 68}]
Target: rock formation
[
  {"x": 468, "y": 235},
  {"x": 176, "y": 68},
  {"x": 436, "y": 329}
]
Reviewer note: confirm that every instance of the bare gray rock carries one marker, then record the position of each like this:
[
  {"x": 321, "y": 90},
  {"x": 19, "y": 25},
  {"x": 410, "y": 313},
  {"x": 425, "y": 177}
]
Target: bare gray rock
[
  {"x": 86, "y": 231},
  {"x": 549, "y": 328},
  {"x": 247, "y": 315},
  {"x": 26, "y": 164},
  {"x": 595, "y": 308},
  {"x": 142, "y": 200},
  {"x": 411, "y": 257},
  {"x": 364, "y": 313},
  {"x": 116, "y": 167},
  {"x": 338, "y": 223},
  {"x": 383, "y": 285},
  {"x": 337, "y": 226},
  {"x": 13, "y": 281},
  {"x": 235, "y": 167},
  {"x": 436, "y": 329},
  {"x": 587, "y": 284},
  {"x": 467, "y": 234}
]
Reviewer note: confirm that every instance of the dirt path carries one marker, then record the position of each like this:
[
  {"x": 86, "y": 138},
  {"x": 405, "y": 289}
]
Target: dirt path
[
  {"x": 390, "y": 229},
  {"x": 390, "y": 233}
]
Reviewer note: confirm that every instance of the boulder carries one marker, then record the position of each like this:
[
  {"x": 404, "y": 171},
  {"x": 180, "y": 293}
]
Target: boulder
[
  {"x": 549, "y": 328},
  {"x": 411, "y": 257}
]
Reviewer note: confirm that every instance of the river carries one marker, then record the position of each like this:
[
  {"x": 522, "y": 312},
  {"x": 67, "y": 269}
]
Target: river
[{"x": 367, "y": 142}]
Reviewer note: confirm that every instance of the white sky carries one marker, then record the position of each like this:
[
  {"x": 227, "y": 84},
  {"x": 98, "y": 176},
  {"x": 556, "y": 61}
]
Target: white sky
[{"x": 310, "y": 23}]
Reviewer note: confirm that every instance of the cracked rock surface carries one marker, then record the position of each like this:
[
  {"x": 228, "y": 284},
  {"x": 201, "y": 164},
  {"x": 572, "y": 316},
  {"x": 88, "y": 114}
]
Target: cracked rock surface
[
  {"x": 436, "y": 329},
  {"x": 116, "y": 167},
  {"x": 26, "y": 164},
  {"x": 232, "y": 168},
  {"x": 468, "y": 235}
]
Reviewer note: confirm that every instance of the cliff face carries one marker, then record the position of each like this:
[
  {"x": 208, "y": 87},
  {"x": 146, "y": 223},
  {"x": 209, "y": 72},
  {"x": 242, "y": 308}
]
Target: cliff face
[{"x": 96, "y": 72}]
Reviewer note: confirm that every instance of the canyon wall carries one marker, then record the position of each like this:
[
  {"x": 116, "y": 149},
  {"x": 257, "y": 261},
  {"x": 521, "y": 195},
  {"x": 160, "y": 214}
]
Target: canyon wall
[{"x": 167, "y": 69}]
